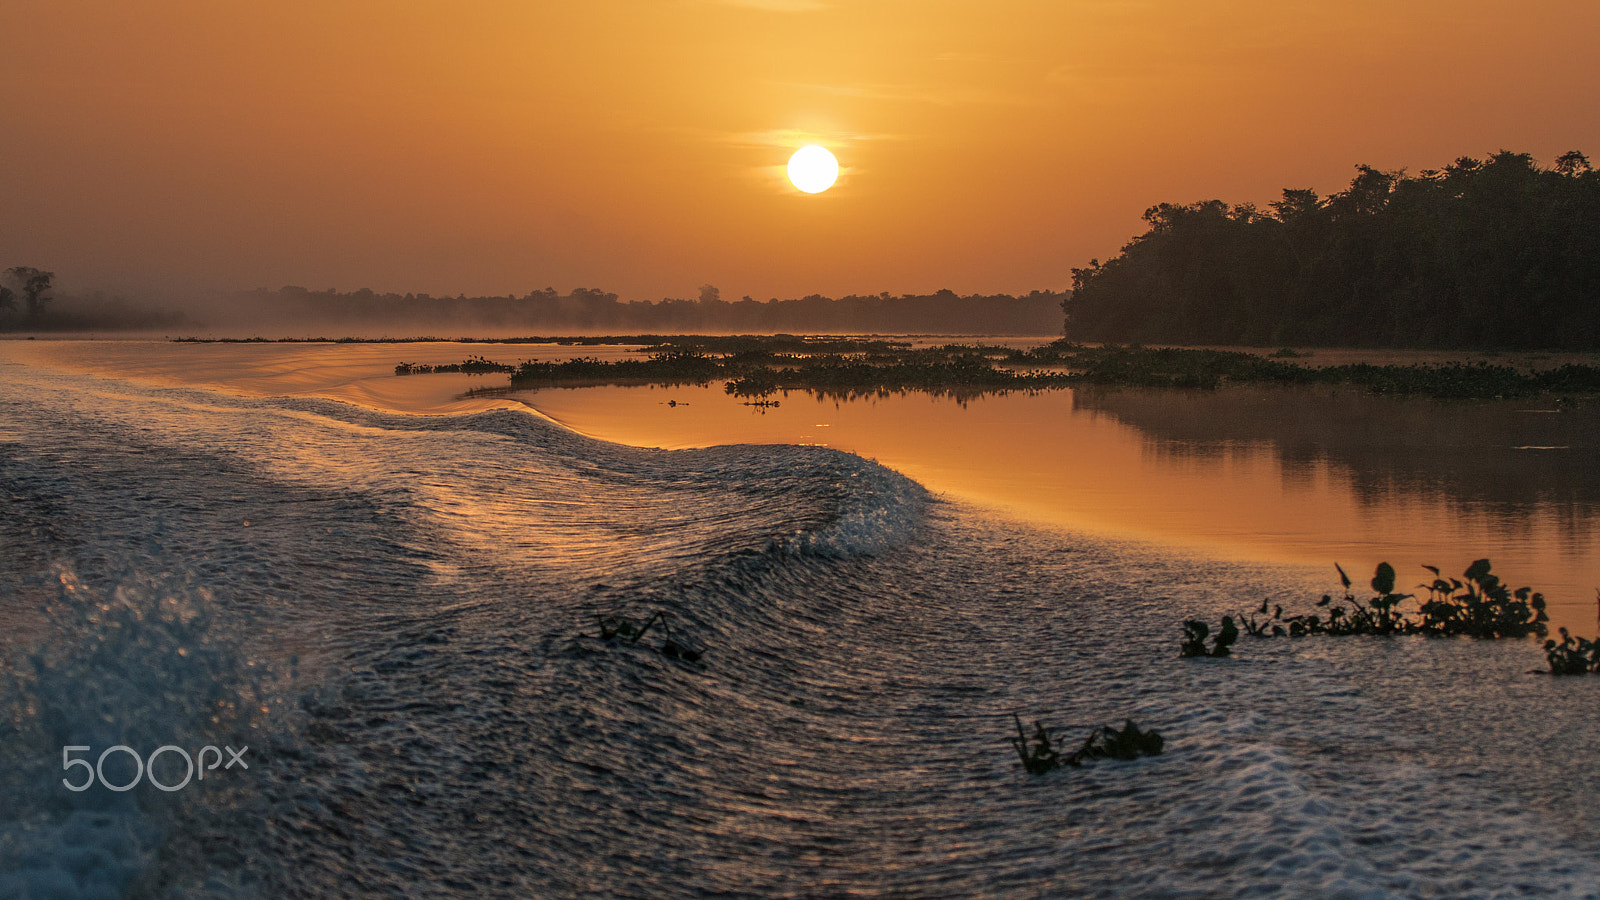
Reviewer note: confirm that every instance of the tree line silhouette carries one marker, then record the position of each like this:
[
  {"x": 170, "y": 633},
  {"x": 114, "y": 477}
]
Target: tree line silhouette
[
  {"x": 593, "y": 311},
  {"x": 1495, "y": 253},
  {"x": 25, "y": 292}
]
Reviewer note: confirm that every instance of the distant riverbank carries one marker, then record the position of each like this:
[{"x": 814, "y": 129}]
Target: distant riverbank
[{"x": 759, "y": 366}]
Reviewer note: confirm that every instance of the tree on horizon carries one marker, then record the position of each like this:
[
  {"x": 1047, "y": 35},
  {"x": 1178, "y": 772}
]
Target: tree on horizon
[{"x": 35, "y": 285}]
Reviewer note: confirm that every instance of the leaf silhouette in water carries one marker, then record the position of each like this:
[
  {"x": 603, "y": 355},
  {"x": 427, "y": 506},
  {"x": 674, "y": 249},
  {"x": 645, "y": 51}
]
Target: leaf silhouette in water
[
  {"x": 1383, "y": 579},
  {"x": 1129, "y": 743},
  {"x": 1478, "y": 571},
  {"x": 1195, "y": 634},
  {"x": 1042, "y": 756},
  {"x": 1226, "y": 636}
]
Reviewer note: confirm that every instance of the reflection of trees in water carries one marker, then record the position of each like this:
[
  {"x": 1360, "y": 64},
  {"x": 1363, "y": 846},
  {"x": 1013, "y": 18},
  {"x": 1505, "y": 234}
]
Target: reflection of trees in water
[{"x": 1462, "y": 452}]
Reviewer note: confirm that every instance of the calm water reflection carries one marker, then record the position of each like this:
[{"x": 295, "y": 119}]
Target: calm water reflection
[{"x": 1304, "y": 476}]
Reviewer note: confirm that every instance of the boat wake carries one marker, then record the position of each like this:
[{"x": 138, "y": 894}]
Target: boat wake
[{"x": 400, "y": 618}]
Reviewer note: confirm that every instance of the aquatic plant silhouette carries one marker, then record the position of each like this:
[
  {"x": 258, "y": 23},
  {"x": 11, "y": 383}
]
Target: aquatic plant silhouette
[
  {"x": 1483, "y": 608},
  {"x": 1195, "y": 633},
  {"x": 756, "y": 367},
  {"x": 1480, "y": 606},
  {"x": 1042, "y": 756},
  {"x": 1105, "y": 742},
  {"x": 1129, "y": 742},
  {"x": 630, "y": 631},
  {"x": 672, "y": 648},
  {"x": 616, "y": 627},
  {"x": 472, "y": 365},
  {"x": 1574, "y": 656}
]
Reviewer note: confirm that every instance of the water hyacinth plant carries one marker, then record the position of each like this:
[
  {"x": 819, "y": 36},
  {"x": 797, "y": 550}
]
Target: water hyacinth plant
[
  {"x": 1483, "y": 607},
  {"x": 757, "y": 366},
  {"x": 1574, "y": 656},
  {"x": 1195, "y": 633},
  {"x": 472, "y": 365},
  {"x": 1479, "y": 606}
]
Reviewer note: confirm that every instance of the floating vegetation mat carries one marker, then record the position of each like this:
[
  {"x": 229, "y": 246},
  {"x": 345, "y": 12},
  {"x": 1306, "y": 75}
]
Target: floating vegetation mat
[{"x": 759, "y": 366}]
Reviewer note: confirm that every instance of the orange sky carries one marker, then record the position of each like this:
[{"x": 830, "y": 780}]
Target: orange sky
[{"x": 498, "y": 146}]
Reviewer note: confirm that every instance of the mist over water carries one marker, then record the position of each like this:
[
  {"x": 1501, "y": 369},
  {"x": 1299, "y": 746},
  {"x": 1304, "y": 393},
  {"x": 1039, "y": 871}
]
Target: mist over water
[
  {"x": 295, "y": 312},
  {"x": 398, "y": 614}
]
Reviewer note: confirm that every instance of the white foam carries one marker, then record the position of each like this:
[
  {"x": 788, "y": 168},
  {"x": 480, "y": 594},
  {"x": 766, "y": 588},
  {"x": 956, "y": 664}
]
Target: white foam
[{"x": 142, "y": 665}]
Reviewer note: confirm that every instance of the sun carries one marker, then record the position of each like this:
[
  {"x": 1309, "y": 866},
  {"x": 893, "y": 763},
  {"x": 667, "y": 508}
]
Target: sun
[{"x": 813, "y": 169}]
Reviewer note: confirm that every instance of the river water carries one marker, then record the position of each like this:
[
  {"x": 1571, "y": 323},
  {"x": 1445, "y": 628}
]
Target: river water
[{"x": 390, "y": 596}]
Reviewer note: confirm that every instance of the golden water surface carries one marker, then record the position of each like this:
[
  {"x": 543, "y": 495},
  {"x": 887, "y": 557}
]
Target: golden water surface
[{"x": 1298, "y": 476}]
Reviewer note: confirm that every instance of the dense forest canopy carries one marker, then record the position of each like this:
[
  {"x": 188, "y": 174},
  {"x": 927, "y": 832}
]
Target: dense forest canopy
[{"x": 1496, "y": 253}]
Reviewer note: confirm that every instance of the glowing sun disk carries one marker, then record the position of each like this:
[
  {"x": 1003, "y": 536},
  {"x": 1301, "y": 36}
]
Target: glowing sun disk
[{"x": 813, "y": 169}]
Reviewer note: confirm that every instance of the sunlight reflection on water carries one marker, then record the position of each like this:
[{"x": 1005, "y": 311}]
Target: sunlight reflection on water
[
  {"x": 461, "y": 731},
  {"x": 1305, "y": 477},
  {"x": 1297, "y": 476}
]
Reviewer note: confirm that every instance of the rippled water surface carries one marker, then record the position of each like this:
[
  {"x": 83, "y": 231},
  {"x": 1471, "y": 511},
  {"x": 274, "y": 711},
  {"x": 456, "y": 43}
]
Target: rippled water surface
[
  {"x": 1304, "y": 477},
  {"x": 397, "y": 613}
]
